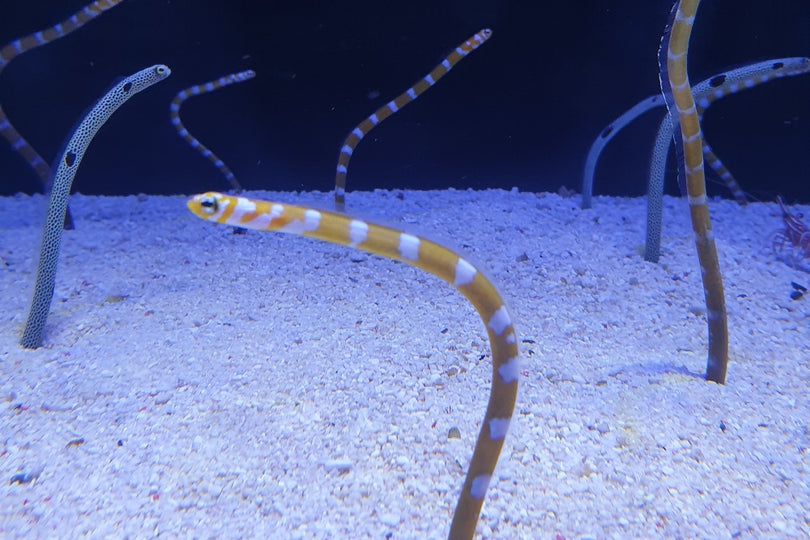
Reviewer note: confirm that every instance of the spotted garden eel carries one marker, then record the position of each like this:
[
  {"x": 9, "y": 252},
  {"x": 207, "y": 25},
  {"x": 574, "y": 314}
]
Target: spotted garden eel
[
  {"x": 71, "y": 157},
  {"x": 420, "y": 87},
  {"x": 174, "y": 114},
  {"x": 19, "y": 46},
  {"x": 689, "y": 149},
  {"x": 706, "y": 92},
  {"x": 432, "y": 258}
]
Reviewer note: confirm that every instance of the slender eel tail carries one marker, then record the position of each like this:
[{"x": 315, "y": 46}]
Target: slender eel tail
[
  {"x": 420, "y": 87},
  {"x": 69, "y": 162},
  {"x": 432, "y": 258},
  {"x": 689, "y": 149}
]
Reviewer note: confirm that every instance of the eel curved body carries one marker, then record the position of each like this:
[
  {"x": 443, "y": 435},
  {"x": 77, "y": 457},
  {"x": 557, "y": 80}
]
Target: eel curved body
[
  {"x": 32, "y": 41},
  {"x": 723, "y": 84},
  {"x": 68, "y": 164},
  {"x": 672, "y": 62},
  {"x": 174, "y": 115},
  {"x": 606, "y": 135},
  {"x": 420, "y": 87},
  {"x": 705, "y": 92},
  {"x": 433, "y": 258}
]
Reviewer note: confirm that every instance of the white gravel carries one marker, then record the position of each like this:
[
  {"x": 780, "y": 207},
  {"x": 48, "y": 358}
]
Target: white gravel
[{"x": 197, "y": 383}]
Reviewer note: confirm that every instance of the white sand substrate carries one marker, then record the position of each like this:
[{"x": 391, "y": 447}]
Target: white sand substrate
[{"x": 197, "y": 383}]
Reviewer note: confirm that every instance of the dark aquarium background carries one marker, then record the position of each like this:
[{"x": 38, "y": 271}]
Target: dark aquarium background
[{"x": 521, "y": 111}]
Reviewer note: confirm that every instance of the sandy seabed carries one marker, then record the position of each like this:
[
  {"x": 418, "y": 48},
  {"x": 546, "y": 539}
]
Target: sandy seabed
[{"x": 198, "y": 383}]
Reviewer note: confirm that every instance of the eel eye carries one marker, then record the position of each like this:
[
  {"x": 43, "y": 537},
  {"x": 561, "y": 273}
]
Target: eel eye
[{"x": 209, "y": 205}]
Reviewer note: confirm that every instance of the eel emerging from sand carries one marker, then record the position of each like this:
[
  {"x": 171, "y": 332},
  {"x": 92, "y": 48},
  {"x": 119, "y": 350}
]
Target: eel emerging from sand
[{"x": 430, "y": 257}]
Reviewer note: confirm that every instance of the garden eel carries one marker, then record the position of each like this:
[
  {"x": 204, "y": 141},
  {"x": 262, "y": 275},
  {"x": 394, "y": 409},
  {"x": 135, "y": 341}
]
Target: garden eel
[
  {"x": 432, "y": 258},
  {"x": 174, "y": 114},
  {"x": 396, "y": 104},
  {"x": 32, "y": 41},
  {"x": 706, "y": 92},
  {"x": 689, "y": 149},
  {"x": 71, "y": 157}
]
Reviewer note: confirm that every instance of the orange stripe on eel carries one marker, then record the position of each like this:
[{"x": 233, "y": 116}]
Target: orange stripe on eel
[
  {"x": 430, "y": 257},
  {"x": 396, "y": 104}
]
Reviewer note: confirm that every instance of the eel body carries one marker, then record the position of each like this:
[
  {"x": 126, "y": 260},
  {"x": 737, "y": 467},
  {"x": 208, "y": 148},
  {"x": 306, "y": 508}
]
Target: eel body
[
  {"x": 705, "y": 92},
  {"x": 430, "y": 257},
  {"x": 66, "y": 168},
  {"x": 672, "y": 61},
  {"x": 418, "y": 88}
]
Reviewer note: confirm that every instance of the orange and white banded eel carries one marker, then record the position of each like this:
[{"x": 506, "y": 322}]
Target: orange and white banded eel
[
  {"x": 196, "y": 90},
  {"x": 430, "y": 257},
  {"x": 672, "y": 62},
  {"x": 19, "y": 46},
  {"x": 362, "y": 129}
]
